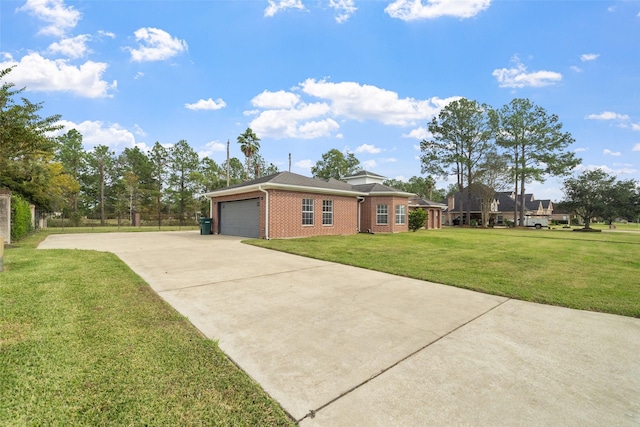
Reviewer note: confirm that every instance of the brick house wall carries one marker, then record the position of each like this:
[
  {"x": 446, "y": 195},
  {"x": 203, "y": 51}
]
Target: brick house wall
[
  {"x": 285, "y": 215},
  {"x": 368, "y": 214}
]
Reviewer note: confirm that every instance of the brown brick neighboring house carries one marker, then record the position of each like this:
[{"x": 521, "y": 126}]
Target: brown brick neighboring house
[
  {"x": 433, "y": 209},
  {"x": 287, "y": 205},
  {"x": 502, "y": 207}
]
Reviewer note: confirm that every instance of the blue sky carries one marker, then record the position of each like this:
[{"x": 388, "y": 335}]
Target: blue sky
[{"x": 309, "y": 76}]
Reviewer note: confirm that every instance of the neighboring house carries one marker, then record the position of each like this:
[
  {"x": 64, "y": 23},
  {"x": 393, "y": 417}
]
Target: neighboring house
[
  {"x": 502, "y": 207},
  {"x": 434, "y": 211},
  {"x": 287, "y": 205}
]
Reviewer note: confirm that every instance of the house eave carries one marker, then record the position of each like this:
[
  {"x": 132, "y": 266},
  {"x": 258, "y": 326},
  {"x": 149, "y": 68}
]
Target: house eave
[{"x": 285, "y": 187}]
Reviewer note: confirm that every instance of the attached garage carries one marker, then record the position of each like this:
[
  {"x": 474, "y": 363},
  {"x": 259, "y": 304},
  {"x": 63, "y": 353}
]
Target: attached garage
[{"x": 240, "y": 218}]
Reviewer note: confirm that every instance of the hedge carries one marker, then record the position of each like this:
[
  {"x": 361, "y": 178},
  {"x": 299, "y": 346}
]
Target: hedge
[{"x": 20, "y": 217}]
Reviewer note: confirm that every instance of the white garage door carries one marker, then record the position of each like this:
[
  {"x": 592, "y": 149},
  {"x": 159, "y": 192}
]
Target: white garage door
[{"x": 240, "y": 218}]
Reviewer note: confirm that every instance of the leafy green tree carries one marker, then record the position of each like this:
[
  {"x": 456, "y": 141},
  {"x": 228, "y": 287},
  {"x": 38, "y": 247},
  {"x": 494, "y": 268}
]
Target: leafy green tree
[
  {"x": 236, "y": 170},
  {"x": 424, "y": 187},
  {"x": 589, "y": 194},
  {"x": 535, "y": 145},
  {"x": 100, "y": 167},
  {"x": 462, "y": 136},
  {"x": 70, "y": 153},
  {"x": 183, "y": 177},
  {"x": 159, "y": 158},
  {"x": 625, "y": 201},
  {"x": 135, "y": 164},
  {"x": 336, "y": 165},
  {"x": 417, "y": 219},
  {"x": 260, "y": 168},
  {"x": 62, "y": 188},
  {"x": 25, "y": 144},
  {"x": 493, "y": 176},
  {"x": 210, "y": 177},
  {"x": 249, "y": 145}
]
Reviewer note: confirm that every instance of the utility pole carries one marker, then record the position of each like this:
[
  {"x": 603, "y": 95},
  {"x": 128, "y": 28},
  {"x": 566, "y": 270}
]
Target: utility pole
[
  {"x": 289, "y": 162},
  {"x": 227, "y": 162}
]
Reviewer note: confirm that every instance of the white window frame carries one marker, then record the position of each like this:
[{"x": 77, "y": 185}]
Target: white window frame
[
  {"x": 327, "y": 212},
  {"x": 307, "y": 212},
  {"x": 382, "y": 210},
  {"x": 401, "y": 214}
]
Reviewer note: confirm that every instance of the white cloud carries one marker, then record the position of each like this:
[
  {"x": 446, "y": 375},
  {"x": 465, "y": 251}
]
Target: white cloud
[
  {"x": 285, "y": 115},
  {"x": 106, "y": 34},
  {"x": 367, "y": 102},
  {"x": 139, "y": 131},
  {"x": 73, "y": 47},
  {"x": 618, "y": 169},
  {"x": 207, "y": 104},
  {"x": 305, "y": 164},
  {"x": 418, "y": 133},
  {"x": 156, "y": 45},
  {"x": 580, "y": 150},
  {"x": 369, "y": 164},
  {"x": 279, "y": 99},
  {"x": 317, "y": 129},
  {"x": 608, "y": 115},
  {"x": 276, "y": 6},
  {"x": 212, "y": 147},
  {"x": 99, "y": 133},
  {"x": 344, "y": 9},
  {"x": 55, "y": 13},
  {"x": 138, "y": 75},
  {"x": 608, "y": 152},
  {"x": 576, "y": 69},
  {"x": 635, "y": 126},
  {"x": 297, "y": 122},
  {"x": 368, "y": 148},
  {"x": 636, "y": 147},
  {"x": 45, "y": 75},
  {"x": 411, "y": 10},
  {"x": 518, "y": 77},
  {"x": 389, "y": 160},
  {"x": 589, "y": 57}
]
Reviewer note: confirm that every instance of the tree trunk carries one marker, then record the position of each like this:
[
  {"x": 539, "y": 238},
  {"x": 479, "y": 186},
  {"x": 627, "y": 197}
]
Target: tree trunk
[{"x": 102, "y": 219}]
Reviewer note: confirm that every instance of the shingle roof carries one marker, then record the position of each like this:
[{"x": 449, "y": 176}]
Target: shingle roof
[
  {"x": 425, "y": 203},
  {"x": 293, "y": 179},
  {"x": 289, "y": 178}
]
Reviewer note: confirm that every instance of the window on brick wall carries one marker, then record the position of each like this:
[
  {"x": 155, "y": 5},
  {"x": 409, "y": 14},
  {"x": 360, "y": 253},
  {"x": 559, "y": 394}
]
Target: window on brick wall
[
  {"x": 307, "y": 211},
  {"x": 401, "y": 214},
  {"x": 382, "y": 214},
  {"x": 327, "y": 212}
]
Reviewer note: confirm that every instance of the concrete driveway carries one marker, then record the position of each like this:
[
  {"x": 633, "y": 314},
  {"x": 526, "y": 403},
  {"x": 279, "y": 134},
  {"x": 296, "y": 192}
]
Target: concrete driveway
[{"x": 343, "y": 346}]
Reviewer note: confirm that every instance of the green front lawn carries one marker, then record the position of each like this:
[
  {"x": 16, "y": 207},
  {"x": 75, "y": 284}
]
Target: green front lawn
[
  {"x": 588, "y": 271},
  {"x": 85, "y": 341}
]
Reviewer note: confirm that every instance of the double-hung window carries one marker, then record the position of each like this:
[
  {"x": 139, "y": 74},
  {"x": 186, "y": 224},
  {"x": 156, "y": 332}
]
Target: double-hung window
[
  {"x": 307, "y": 211},
  {"x": 401, "y": 214},
  {"x": 327, "y": 212},
  {"x": 382, "y": 214}
]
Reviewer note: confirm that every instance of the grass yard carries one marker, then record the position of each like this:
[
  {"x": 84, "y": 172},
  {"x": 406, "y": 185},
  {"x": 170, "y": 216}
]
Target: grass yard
[
  {"x": 85, "y": 341},
  {"x": 588, "y": 271}
]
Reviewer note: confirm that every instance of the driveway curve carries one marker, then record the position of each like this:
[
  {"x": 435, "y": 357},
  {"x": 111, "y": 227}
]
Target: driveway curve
[{"x": 343, "y": 346}]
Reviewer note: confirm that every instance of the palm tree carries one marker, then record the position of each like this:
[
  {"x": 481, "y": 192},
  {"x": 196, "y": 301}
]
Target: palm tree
[{"x": 249, "y": 145}]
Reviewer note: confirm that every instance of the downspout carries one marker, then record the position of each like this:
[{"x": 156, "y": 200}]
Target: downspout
[
  {"x": 266, "y": 212},
  {"x": 213, "y": 231},
  {"x": 361, "y": 200}
]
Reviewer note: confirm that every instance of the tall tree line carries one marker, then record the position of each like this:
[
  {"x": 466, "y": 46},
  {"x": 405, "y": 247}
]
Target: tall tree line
[
  {"x": 165, "y": 181},
  {"x": 517, "y": 144}
]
